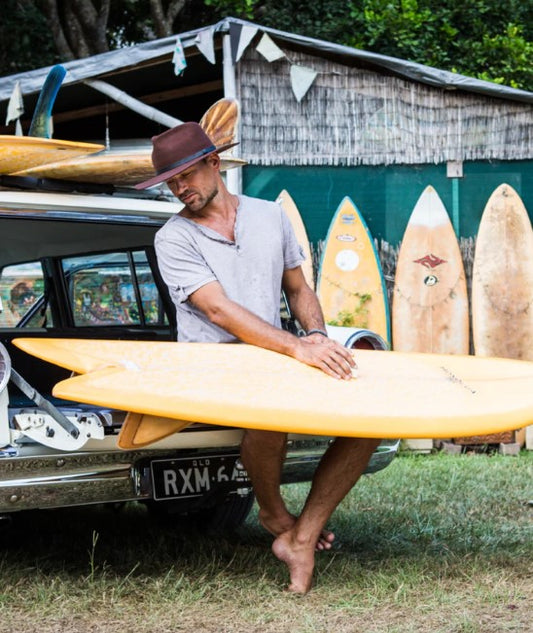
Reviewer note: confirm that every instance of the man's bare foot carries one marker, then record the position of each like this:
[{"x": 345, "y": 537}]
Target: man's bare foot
[
  {"x": 278, "y": 525},
  {"x": 299, "y": 558}
]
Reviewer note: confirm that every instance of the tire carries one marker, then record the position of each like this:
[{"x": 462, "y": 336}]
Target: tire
[{"x": 223, "y": 517}]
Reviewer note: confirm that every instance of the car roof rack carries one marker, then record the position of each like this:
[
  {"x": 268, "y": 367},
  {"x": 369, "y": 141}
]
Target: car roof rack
[{"x": 29, "y": 183}]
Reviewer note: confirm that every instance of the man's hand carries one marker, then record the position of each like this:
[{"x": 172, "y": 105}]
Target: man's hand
[
  {"x": 325, "y": 354},
  {"x": 316, "y": 349}
]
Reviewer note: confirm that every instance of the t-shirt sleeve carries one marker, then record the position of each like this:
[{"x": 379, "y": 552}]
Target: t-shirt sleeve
[
  {"x": 293, "y": 254},
  {"x": 182, "y": 267}
]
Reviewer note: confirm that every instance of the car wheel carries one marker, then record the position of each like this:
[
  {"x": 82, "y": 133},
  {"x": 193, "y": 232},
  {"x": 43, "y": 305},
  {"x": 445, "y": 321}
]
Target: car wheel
[
  {"x": 223, "y": 517},
  {"x": 226, "y": 516}
]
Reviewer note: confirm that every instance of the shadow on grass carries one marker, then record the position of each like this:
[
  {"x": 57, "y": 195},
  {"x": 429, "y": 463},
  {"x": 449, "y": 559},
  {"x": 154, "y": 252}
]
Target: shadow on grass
[
  {"x": 119, "y": 537},
  {"x": 436, "y": 510}
]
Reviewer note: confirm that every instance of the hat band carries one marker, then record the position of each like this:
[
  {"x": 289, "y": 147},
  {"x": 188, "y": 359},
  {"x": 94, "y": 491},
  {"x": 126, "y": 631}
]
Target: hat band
[{"x": 187, "y": 159}]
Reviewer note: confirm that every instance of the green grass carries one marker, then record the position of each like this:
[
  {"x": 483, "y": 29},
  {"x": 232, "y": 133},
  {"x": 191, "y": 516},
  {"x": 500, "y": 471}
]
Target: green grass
[{"x": 435, "y": 543}]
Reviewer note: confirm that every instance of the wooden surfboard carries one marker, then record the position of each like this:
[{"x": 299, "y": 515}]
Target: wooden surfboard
[
  {"x": 350, "y": 285},
  {"x": 114, "y": 168},
  {"x": 128, "y": 167},
  {"x": 118, "y": 168},
  {"x": 393, "y": 395},
  {"x": 430, "y": 301},
  {"x": 502, "y": 279},
  {"x": 23, "y": 152},
  {"x": 290, "y": 208}
]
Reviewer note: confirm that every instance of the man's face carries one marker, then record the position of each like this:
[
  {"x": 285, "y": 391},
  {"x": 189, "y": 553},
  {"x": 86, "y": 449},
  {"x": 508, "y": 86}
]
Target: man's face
[{"x": 198, "y": 185}]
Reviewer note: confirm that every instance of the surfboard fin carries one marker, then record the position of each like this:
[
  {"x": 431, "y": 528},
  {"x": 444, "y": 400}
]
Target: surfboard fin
[
  {"x": 41, "y": 123},
  {"x": 140, "y": 430}
]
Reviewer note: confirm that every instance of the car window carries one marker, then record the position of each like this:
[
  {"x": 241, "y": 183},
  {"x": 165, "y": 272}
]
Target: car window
[
  {"x": 22, "y": 296},
  {"x": 149, "y": 294},
  {"x": 112, "y": 289}
]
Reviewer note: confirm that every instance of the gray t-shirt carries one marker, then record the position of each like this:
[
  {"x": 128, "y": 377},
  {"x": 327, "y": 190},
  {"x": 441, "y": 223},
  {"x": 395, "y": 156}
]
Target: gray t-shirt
[{"x": 249, "y": 269}]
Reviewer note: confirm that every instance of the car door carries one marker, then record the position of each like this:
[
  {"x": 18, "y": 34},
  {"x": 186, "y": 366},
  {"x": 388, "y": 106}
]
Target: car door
[{"x": 113, "y": 294}]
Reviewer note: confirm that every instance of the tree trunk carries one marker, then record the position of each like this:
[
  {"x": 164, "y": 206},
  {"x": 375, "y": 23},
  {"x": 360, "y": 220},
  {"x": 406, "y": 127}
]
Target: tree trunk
[
  {"x": 79, "y": 28},
  {"x": 93, "y": 23},
  {"x": 164, "y": 21},
  {"x": 54, "y": 23}
]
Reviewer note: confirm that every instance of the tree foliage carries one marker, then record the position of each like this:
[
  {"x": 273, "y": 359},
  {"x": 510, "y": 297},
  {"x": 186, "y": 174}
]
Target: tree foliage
[
  {"x": 480, "y": 38},
  {"x": 24, "y": 39},
  {"x": 36, "y": 33},
  {"x": 488, "y": 39}
]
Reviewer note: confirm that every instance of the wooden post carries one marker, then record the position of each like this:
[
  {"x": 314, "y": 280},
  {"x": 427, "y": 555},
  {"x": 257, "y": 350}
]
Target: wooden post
[{"x": 233, "y": 176}]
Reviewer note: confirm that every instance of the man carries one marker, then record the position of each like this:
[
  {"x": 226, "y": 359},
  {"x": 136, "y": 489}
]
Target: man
[
  {"x": 225, "y": 259},
  {"x": 21, "y": 298}
]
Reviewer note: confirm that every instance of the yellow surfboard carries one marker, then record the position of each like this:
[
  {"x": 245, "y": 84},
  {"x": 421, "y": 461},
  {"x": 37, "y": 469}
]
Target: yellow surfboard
[
  {"x": 350, "y": 285},
  {"x": 290, "y": 208},
  {"x": 23, "y": 152},
  {"x": 502, "y": 279},
  {"x": 393, "y": 395},
  {"x": 430, "y": 302}
]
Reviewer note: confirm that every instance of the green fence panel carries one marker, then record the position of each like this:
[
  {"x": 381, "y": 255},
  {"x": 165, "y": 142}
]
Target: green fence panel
[{"x": 386, "y": 195}]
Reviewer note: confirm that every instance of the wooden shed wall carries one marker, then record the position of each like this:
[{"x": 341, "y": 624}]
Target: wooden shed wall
[{"x": 354, "y": 116}]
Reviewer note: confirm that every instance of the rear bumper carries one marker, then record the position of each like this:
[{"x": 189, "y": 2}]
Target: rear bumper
[{"x": 92, "y": 477}]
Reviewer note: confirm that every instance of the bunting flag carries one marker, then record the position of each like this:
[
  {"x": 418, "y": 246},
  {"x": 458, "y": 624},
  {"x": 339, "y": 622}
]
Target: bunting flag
[
  {"x": 234, "y": 38},
  {"x": 268, "y": 49},
  {"x": 178, "y": 59},
  {"x": 15, "y": 108},
  {"x": 302, "y": 79},
  {"x": 205, "y": 44},
  {"x": 246, "y": 36}
]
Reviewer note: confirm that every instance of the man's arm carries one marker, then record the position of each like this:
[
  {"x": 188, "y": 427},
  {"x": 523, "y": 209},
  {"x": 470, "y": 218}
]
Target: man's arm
[
  {"x": 303, "y": 301},
  {"x": 331, "y": 358}
]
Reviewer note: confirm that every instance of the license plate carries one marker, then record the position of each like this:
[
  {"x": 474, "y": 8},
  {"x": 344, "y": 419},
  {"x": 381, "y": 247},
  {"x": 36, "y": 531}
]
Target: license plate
[{"x": 195, "y": 476}]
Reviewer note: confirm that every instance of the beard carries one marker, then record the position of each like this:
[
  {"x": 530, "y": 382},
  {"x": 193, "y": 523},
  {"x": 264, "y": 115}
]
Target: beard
[{"x": 200, "y": 200}]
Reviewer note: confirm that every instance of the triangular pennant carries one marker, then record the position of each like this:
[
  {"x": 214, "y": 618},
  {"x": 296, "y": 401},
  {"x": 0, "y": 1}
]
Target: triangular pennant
[
  {"x": 178, "y": 59},
  {"x": 205, "y": 44},
  {"x": 234, "y": 37},
  {"x": 247, "y": 35},
  {"x": 302, "y": 79},
  {"x": 268, "y": 49},
  {"x": 15, "y": 107}
]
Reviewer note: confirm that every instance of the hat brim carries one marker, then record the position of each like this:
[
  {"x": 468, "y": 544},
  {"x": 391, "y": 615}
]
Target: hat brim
[{"x": 166, "y": 175}]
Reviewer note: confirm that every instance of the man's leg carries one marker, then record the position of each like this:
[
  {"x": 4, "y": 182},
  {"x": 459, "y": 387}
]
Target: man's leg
[
  {"x": 262, "y": 454},
  {"x": 340, "y": 468}
]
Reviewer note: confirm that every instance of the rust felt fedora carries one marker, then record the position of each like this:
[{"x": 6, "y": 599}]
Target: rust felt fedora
[{"x": 178, "y": 149}]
